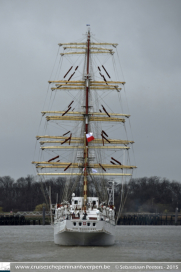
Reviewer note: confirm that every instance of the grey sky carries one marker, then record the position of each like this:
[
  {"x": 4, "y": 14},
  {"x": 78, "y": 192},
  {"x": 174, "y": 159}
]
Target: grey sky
[{"x": 148, "y": 34}]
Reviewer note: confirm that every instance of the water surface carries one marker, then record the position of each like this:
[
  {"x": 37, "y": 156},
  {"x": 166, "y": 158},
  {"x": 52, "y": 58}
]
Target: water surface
[{"x": 133, "y": 244}]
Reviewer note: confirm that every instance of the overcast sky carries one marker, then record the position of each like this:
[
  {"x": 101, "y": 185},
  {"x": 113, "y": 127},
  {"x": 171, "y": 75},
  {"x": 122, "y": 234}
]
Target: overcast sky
[{"x": 148, "y": 34}]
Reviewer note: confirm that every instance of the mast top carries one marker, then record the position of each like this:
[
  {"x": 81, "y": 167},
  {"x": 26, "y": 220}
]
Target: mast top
[{"x": 88, "y": 27}]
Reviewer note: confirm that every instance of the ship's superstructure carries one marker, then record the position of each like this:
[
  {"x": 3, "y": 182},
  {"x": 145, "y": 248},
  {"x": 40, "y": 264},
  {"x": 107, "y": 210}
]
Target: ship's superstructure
[
  {"x": 75, "y": 225},
  {"x": 85, "y": 219}
]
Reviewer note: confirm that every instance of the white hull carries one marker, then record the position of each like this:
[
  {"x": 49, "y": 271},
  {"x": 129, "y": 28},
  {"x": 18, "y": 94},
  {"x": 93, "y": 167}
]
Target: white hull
[{"x": 102, "y": 234}]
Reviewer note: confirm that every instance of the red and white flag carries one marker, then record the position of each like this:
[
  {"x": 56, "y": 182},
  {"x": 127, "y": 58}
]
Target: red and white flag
[{"x": 90, "y": 137}]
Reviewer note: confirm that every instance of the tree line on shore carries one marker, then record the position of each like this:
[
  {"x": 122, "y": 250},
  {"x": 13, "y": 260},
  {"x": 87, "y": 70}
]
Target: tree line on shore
[{"x": 145, "y": 194}]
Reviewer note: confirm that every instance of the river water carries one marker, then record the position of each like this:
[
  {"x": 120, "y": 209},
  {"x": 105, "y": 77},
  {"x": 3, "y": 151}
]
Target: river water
[{"x": 133, "y": 244}]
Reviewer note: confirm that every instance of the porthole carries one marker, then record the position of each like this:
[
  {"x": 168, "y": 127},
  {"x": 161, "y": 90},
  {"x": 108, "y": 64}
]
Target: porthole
[
  {"x": 74, "y": 223},
  {"x": 80, "y": 224},
  {"x": 94, "y": 224},
  {"x": 88, "y": 224}
]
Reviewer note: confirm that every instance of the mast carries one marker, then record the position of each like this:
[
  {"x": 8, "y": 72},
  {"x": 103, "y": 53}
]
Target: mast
[{"x": 86, "y": 122}]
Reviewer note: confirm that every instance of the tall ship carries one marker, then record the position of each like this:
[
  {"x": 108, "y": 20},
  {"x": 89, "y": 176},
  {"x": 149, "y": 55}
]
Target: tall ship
[{"x": 80, "y": 147}]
